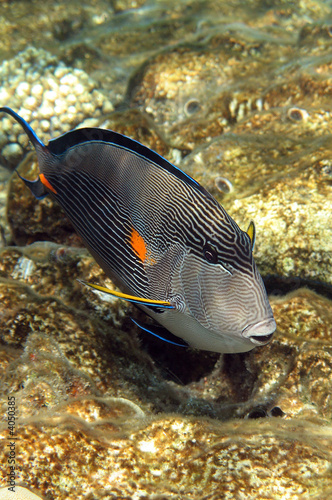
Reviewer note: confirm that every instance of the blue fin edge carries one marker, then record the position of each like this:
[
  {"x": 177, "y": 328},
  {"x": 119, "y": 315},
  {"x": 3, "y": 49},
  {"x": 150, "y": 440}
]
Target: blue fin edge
[
  {"x": 150, "y": 329},
  {"x": 36, "y": 187}
]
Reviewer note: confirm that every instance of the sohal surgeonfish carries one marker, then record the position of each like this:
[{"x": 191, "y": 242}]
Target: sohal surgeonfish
[{"x": 159, "y": 235}]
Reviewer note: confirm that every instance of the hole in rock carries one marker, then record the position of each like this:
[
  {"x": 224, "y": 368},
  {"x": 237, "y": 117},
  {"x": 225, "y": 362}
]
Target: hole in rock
[{"x": 179, "y": 364}]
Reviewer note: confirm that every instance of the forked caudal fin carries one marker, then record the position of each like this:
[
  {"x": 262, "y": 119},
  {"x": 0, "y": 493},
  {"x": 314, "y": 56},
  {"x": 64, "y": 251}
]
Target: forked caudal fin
[
  {"x": 37, "y": 187},
  {"x": 37, "y": 143}
]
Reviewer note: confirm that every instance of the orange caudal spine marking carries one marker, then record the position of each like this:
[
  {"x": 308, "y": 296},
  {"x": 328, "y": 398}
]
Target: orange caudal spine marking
[
  {"x": 138, "y": 245},
  {"x": 46, "y": 183}
]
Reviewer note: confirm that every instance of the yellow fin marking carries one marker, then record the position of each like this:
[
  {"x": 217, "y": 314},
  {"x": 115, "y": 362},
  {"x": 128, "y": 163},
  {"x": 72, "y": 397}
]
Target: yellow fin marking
[
  {"x": 130, "y": 298},
  {"x": 251, "y": 232}
]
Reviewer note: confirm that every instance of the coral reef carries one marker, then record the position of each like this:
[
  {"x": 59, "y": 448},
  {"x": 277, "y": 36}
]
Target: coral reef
[{"x": 51, "y": 96}]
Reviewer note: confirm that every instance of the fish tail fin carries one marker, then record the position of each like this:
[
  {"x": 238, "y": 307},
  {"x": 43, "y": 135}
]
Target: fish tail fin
[
  {"x": 37, "y": 187},
  {"x": 37, "y": 143}
]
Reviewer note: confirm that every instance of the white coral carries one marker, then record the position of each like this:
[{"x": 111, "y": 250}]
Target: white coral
[{"x": 41, "y": 88}]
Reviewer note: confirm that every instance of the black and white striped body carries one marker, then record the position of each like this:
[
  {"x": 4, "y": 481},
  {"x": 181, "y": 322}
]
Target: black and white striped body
[
  {"x": 158, "y": 234},
  {"x": 109, "y": 190}
]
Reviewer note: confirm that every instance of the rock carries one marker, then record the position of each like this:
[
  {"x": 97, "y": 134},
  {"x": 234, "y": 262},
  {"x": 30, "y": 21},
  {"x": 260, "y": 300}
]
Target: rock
[
  {"x": 237, "y": 458},
  {"x": 90, "y": 393}
]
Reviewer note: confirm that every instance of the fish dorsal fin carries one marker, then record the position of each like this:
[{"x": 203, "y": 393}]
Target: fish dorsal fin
[
  {"x": 74, "y": 138},
  {"x": 251, "y": 232},
  {"x": 130, "y": 298}
]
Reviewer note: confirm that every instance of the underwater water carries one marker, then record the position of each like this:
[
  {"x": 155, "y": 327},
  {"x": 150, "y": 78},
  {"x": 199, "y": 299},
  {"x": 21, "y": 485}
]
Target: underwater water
[{"x": 239, "y": 95}]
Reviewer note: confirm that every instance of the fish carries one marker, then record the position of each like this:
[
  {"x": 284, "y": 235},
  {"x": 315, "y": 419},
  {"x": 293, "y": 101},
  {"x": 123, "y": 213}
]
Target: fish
[{"x": 162, "y": 238}]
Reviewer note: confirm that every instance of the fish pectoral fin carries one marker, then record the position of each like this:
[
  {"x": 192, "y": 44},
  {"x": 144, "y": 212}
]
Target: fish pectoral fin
[
  {"x": 130, "y": 298},
  {"x": 160, "y": 332}
]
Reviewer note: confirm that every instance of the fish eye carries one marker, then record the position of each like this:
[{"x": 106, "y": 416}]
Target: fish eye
[{"x": 210, "y": 253}]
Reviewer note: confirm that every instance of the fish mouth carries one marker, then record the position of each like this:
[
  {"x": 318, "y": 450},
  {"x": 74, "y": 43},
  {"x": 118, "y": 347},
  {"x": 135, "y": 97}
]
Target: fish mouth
[
  {"x": 260, "y": 333},
  {"x": 263, "y": 339}
]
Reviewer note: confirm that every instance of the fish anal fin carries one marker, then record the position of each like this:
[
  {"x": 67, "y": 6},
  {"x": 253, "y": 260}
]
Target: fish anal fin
[{"x": 160, "y": 332}]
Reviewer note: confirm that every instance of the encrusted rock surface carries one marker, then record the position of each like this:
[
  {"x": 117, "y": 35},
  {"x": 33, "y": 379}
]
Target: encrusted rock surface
[
  {"x": 239, "y": 95},
  {"x": 179, "y": 458},
  {"x": 89, "y": 396}
]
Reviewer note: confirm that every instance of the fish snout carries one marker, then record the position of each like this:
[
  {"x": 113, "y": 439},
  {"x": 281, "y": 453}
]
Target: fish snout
[{"x": 260, "y": 333}]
